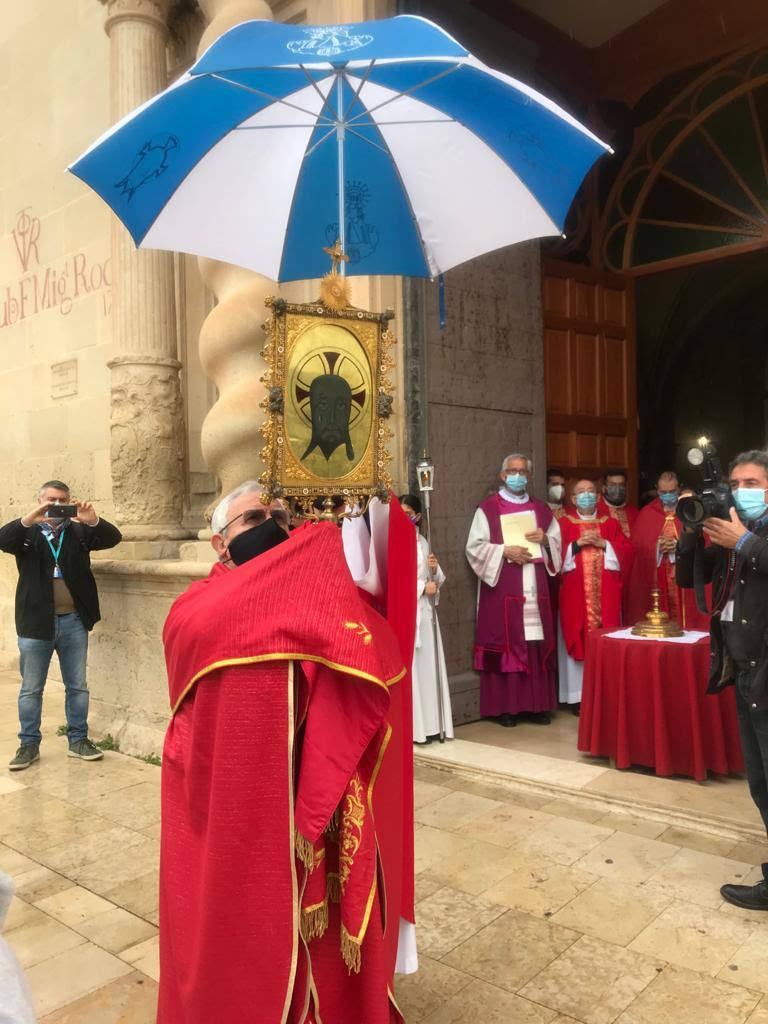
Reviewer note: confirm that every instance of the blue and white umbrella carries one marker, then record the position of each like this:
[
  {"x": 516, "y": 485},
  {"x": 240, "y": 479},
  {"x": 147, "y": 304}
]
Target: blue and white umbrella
[{"x": 386, "y": 134}]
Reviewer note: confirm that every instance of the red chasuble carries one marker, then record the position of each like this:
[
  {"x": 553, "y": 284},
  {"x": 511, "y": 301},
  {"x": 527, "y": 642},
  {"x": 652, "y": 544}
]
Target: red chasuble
[
  {"x": 626, "y": 516},
  {"x": 590, "y": 595},
  {"x": 680, "y": 605},
  {"x": 272, "y": 901}
]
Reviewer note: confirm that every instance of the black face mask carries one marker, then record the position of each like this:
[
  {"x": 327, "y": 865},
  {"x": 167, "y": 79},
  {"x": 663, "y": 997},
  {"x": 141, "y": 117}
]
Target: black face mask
[
  {"x": 615, "y": 493},
  {"x": 256, "y": 541}
]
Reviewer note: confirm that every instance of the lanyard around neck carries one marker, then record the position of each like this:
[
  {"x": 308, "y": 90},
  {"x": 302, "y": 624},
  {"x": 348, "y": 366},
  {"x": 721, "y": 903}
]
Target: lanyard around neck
[{"x": 55, "y": 551}]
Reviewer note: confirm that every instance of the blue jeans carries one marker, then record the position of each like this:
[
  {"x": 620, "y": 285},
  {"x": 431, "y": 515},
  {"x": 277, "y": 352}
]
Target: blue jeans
[
  {"x": 70, "y": 641},
  {"x": 753, "y": 725}
]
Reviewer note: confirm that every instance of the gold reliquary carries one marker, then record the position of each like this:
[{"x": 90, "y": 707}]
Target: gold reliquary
[
  {"x": 656, "y": 624},
  {"x": 328, "y": 401}
]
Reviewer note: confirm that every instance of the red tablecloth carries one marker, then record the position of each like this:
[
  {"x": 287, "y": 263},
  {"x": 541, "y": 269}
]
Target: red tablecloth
[{"x": 644, "y": 702}]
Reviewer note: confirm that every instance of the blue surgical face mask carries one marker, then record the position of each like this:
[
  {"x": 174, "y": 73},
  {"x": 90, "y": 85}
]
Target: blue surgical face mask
[
  {"x": 414, "y": 518},
  {"x": 516, "y": 482},
  {"x": 668, "y": 498},
  {"x": 750, "y": 502},
  {"x": 586, "y": 501}
]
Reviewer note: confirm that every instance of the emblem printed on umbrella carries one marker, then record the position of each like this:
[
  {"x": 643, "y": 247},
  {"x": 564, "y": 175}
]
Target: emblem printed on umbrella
[
  {"x": 149, "y": 163},
  {"x": 362, "y": 238},
  {"x": 328, "y": 41}
]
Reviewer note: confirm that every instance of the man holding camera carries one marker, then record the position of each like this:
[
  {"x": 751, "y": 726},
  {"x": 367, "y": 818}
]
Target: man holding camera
[
  {"x": 56, "y": 606},
  {"x": 736, "y": 564}
]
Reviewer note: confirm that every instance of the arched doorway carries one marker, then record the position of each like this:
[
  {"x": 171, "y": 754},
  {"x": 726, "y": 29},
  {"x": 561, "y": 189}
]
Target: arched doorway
[{"x": 702, "y": 361}]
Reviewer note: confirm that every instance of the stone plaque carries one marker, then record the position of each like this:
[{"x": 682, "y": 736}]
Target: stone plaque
[{"x": 64, "y": 379}]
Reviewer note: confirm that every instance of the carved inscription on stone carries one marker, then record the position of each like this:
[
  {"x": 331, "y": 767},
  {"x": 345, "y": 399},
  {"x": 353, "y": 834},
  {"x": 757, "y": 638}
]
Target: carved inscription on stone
[{"x": 64, "y": 379}]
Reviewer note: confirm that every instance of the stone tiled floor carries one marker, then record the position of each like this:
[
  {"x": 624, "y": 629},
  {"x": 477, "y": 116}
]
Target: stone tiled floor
[{"x": 532, "y": 908}]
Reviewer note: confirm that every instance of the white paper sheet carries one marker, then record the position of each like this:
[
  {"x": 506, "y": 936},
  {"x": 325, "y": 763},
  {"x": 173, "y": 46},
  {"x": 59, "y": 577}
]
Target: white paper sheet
[
  {"x": 514, "y": 526},
  {"x": 691, "y": 636}
]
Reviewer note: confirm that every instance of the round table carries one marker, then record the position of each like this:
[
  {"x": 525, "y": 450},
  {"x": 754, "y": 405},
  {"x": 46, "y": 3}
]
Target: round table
[{"x": 644, "y": 702}]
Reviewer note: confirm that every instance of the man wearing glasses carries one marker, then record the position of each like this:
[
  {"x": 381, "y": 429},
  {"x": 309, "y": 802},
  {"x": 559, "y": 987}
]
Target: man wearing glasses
[{"x": 281, "y": 678}]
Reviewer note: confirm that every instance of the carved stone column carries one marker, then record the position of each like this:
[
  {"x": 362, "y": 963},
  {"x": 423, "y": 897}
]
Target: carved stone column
[
  {"x": 147, "y": 426},
  {"x": 231, "y": 337}
]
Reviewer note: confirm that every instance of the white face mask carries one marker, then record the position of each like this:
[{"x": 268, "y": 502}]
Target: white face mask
[{"x": 556, "y": 492}]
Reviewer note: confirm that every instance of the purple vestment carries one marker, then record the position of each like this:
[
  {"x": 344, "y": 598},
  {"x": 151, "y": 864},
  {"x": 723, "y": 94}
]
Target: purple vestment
[{"x": 516, "y": 674}]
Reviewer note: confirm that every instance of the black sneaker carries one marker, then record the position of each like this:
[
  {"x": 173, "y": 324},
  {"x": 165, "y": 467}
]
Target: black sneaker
[
  {"x": 25, "y": 756},
  {"x": 86, "y": 750}
]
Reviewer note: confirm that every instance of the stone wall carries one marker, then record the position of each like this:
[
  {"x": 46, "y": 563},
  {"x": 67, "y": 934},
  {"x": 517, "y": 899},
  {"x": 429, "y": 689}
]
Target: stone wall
[
  {"x": 485, "y": 387},
  {"x": 126, "y": 667}
]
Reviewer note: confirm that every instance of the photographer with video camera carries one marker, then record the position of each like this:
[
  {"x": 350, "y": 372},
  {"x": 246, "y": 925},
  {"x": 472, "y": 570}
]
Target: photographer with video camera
[
  {"x": 733, "y": 515},
  {"x": 56, "y": 607}
]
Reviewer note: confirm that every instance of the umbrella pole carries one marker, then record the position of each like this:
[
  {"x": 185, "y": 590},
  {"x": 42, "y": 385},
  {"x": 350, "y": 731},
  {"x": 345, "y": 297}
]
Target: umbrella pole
[
  {"x": 435, "y": 634},
  {"x": 340, "y": 130}
]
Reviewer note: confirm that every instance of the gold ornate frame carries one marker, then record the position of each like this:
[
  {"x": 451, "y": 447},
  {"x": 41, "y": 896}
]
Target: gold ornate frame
[{"x": 307, "y": 341}]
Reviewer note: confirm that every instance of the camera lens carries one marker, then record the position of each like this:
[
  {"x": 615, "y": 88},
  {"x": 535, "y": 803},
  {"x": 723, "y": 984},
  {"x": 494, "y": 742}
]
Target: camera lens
[{"x": 691, "y": 510}]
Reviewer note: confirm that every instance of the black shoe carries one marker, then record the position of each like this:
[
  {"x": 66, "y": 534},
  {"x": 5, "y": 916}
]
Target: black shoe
[
  {"x": 541, "y": 717},
  {"x": 25, "y": 756},
  {"x": 750, "y": 897},
  {"x": 508, "y": 721},
  {"x": 575, "y": 709},
  {"x": 85, "y": 750}
]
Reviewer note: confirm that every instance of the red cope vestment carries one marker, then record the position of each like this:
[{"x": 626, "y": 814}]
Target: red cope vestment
[
  {"x": 273, "y": 865},
  {"x": 652, "y": 523},
  {"x": 590, "y": 594}
]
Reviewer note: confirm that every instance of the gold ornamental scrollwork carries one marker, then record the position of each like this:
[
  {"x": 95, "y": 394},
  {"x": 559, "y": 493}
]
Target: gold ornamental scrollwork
[
  {"x": 328, "y": 399},
  {"x": 351, "y": 832}
]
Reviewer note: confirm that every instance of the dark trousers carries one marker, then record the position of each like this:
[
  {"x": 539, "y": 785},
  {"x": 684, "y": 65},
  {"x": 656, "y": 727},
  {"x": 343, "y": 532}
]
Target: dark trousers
[{"x": 753, "y": 725}]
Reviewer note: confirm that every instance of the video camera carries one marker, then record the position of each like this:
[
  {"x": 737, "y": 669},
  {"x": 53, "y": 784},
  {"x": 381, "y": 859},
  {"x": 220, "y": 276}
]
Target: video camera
[{"x": 714, "y": 501}]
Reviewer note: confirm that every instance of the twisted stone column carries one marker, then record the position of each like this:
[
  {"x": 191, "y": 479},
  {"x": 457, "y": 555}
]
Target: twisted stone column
[
  {"x": 231, "y": 337},
  {"x": 147, "y": 426}
]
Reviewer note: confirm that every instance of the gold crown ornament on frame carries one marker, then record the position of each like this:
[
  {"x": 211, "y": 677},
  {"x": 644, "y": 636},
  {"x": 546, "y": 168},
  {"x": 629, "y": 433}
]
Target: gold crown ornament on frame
[{"x": 328, "y": 399}]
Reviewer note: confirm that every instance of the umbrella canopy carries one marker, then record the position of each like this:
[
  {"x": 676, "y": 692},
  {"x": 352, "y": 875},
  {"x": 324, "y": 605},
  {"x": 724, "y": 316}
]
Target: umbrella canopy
[{"x": 386, "y": 134}]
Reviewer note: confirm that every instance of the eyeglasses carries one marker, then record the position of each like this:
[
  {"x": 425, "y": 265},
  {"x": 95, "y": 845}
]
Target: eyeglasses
[{"x": 257, "y": 516}]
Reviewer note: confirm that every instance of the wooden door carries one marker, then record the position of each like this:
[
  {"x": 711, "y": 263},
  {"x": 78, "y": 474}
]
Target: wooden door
[{"x": 589, "y": 366}]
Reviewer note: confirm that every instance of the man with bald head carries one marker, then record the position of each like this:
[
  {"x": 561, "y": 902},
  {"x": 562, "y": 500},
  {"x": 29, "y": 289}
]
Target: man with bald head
[
  {"x": 515, "y": 634},
  {"x": 595, "y": 557}
]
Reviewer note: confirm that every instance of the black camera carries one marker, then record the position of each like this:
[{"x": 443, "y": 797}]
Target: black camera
[{"x": 714, "y": 501}]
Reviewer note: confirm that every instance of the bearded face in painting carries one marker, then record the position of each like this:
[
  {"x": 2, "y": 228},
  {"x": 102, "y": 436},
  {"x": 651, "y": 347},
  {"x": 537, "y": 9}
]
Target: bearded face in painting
[{"x": 330, "y": 401}]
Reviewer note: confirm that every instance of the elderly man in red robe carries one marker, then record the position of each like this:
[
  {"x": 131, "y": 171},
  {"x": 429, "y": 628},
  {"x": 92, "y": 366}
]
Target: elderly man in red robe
[
  {"x": 515, "y": 633},
  {"x": 281, "y": 776},
  {"x": 596, "y": 555},
  {"x": 655, "y": 538}
]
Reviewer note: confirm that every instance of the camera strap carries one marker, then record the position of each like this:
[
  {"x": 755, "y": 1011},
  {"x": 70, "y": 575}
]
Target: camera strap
[{"x": 720, "y": 599}]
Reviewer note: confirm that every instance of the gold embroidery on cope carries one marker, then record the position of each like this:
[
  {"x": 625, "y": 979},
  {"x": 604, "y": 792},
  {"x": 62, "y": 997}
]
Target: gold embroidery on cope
[{"x": 352, "y": 818}]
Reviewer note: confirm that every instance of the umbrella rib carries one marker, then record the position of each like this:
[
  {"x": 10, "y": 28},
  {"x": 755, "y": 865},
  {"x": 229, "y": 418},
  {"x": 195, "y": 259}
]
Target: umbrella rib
[
  {"x": 370, "y": 142},
  {"x": 407, "y": 92},
  {"x": 269, "y": 127},
  {"x": 269, "y": 96},
  {"x": 356, "y": 97},
  {"x": 313, "y": 147},
  {"x": 315, "y": 86}
]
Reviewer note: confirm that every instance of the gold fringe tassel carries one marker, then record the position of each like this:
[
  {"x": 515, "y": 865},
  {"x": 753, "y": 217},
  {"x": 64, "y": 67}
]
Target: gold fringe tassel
[
  {"x": 305, "y": 851},
  {"x": 332, "y": 828},
  {"x": 350, "y": 952},
  {"x": 333, "y": 887},
  {"x": 314, "y": 921}
]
